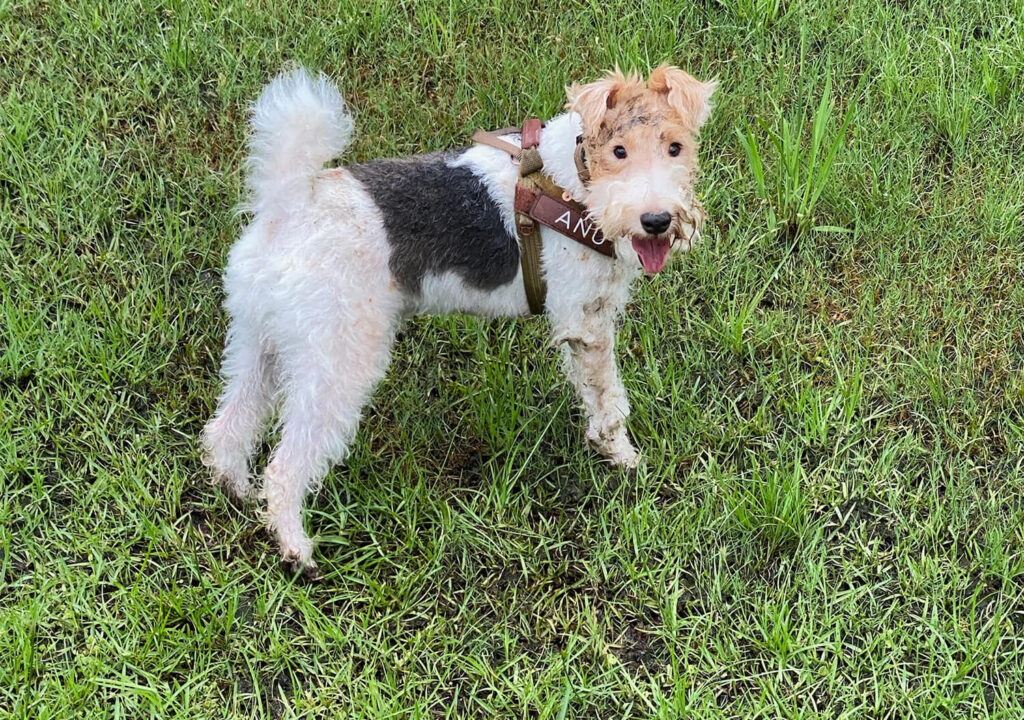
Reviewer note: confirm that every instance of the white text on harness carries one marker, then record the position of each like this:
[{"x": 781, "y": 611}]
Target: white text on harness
[{"x": 582, "y": 227}]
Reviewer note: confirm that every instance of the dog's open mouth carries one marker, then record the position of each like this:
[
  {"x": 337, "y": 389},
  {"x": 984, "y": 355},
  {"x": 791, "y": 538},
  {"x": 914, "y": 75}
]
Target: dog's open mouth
[{"x": 653, "y": 251}]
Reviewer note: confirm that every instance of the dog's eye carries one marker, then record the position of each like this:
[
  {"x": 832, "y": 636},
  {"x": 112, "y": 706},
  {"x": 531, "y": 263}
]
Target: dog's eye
[
  {"x": 620, "y": 152},
  {"x": 674, "y": 149}
]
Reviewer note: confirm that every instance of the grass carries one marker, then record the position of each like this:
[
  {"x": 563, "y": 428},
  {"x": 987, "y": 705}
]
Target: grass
[{"x": 829, "y": 392}]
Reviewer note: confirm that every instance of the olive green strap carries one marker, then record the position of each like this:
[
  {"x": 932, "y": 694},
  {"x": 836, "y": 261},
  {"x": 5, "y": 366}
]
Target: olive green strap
[{"x": 531, "y": 244}]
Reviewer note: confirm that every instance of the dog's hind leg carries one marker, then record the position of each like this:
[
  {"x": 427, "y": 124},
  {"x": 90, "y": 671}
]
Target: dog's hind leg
[
  {"x": 230, "y": 437},
  {"x": 328, "y": 376}
]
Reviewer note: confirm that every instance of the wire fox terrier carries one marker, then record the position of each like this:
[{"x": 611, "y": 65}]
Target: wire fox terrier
[{"x": 334, "y": 259}]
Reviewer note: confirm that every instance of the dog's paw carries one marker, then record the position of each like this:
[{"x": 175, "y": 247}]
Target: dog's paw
[
  {"x": 616, "y": 447},
  {"x": 626, "y": 458},
  {"x": 307, "y": 571},
  {"x": 234, "y": 482},
  {"x": 237, "y": 488}
]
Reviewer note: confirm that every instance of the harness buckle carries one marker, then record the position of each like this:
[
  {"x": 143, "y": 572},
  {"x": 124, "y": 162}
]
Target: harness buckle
[{"x": 525, "y": 224}]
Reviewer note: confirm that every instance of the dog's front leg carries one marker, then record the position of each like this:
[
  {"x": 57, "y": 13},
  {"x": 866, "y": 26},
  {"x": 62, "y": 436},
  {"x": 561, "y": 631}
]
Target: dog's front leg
[{"x": 591, "y": 367}]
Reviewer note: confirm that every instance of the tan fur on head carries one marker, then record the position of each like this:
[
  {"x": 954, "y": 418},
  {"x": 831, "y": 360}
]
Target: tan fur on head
[
  {"x": 594, "y": 99},
  {"x": 688, "y": 95},
  {"x": 640, "y": 140}
]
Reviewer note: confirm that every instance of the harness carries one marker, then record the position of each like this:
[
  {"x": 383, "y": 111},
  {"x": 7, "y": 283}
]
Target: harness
[{"x": 539, "y": 201}]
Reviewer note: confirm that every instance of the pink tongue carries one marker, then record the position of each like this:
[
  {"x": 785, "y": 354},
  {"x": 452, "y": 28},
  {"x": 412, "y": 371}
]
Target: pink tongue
[{"x": 652, "y": 251}]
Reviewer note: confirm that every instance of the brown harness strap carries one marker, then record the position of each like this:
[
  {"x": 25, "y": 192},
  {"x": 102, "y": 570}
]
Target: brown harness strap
[
  {"x": 539, "y": 201},
  {"x": 530, "y": 161},
  {"x": 493, "y": 139},
  {"x": 568, "y": 217}
]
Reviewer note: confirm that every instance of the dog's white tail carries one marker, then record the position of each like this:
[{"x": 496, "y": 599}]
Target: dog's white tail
[{"x": 298, "y": 124}]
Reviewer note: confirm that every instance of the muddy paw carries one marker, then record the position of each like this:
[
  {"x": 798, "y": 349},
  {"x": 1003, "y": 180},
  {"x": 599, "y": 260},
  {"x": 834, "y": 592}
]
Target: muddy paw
[
  {"x": 307, "y": 572},
  {"x": 235, "y": 490},
  {"x": 625, "y": 458},
  {"x": 235, "y": 483},
  {"x": 616, "y": 447}
]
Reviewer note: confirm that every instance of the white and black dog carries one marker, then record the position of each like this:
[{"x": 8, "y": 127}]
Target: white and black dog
[{"x": 334, "y": 259}]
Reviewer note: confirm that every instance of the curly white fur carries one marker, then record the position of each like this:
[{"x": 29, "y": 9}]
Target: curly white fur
[{"x": 298, "y": 124}]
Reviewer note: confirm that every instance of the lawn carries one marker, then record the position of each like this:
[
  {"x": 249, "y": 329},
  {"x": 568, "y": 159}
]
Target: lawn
[{"x": 828, "y": 392}]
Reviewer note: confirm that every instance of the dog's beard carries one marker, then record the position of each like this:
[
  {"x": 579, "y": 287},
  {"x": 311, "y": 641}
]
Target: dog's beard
[{"x": 620, "y": 222}]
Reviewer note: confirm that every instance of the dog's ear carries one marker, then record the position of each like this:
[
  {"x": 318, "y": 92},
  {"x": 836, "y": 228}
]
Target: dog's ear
[
  {"x": 595, "y": 99},
  {"x": 690, "y": 97}
]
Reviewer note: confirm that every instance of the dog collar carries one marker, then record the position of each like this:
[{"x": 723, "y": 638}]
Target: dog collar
[{"x": 579, "y": 156}]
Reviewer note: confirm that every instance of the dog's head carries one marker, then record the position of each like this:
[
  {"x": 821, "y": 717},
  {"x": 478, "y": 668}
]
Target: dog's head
[{"x": 640, "y": 144}]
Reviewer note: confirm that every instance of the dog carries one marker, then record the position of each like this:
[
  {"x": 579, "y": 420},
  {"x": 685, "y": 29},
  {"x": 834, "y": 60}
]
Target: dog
[{"x": 333, "y": 260}]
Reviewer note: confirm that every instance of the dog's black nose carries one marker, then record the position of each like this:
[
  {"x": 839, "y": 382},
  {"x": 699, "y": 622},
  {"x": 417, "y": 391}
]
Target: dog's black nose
[{"x": 656, "y": 223}]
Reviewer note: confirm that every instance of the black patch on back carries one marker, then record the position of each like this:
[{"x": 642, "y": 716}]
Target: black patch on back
[{"x": 440, "y": 218}]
